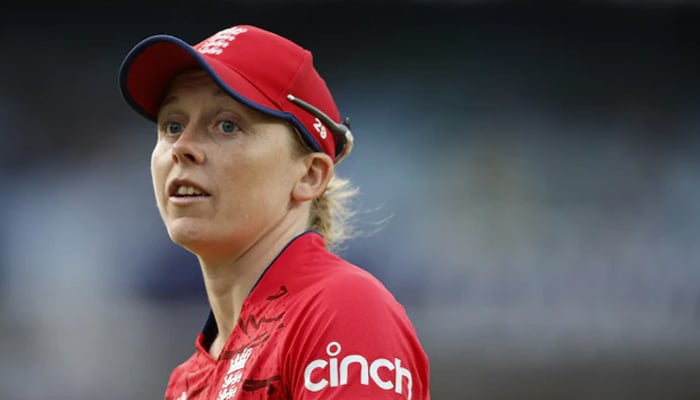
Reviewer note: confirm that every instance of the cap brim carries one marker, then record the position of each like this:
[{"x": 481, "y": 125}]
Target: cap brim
[{"x": 148, "y": 69}]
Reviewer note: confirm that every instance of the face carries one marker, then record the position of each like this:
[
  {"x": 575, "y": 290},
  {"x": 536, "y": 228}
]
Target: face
[{"x": 223, "y": 173}]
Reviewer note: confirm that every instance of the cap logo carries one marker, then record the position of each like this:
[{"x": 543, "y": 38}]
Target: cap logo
[
  {"x": 217, "y": 43},
  {"x": 318, "y": 125}
]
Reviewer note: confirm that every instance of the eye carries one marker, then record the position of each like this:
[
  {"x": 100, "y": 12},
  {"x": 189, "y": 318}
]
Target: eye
[
  {"x": 228, "y": 126},
  {"x": 173, "y": 128}
]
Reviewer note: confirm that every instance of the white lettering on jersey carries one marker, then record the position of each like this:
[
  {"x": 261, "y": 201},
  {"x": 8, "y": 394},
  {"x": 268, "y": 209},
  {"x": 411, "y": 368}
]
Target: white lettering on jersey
[
  {"x": 239, "y": 361},
  {"x": 337, "y": 375},
  {"x": 227, "y": 394},
  {"x": 234, "y": 374}
]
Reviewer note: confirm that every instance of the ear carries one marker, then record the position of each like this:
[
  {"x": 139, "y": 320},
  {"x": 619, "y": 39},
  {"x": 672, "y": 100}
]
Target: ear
[{"x": 318, "y": 172}]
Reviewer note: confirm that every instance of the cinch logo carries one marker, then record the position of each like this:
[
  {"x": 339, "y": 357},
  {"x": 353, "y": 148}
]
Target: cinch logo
[{"x": 335, "y": 374}]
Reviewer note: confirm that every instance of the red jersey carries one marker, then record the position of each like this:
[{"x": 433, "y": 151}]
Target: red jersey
[{"x": 313, "y": 327}]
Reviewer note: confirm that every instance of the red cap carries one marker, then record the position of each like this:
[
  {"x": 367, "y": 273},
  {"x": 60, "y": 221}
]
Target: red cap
[{"x": 260, "y": 69}]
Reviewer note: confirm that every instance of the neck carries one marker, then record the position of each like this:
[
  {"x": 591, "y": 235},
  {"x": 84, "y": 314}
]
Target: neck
[{"x": 228, "y": 280}]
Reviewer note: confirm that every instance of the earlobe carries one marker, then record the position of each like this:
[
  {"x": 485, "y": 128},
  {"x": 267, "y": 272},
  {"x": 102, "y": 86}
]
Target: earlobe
[{"x": 318, "y": 172}]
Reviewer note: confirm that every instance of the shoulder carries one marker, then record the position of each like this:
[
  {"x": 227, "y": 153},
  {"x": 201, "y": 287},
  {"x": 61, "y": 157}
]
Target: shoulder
[{"x": 344, "y": 287}]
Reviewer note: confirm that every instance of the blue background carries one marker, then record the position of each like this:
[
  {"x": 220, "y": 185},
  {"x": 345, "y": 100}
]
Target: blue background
[{"x": 529, "y": 176}]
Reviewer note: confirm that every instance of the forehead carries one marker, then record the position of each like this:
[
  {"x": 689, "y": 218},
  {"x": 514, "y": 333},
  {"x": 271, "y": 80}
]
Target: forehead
[
  {"x": 192, "y": 78},
  {"x": 189, "y": 83},
  {"x": 196, "y": 88}
]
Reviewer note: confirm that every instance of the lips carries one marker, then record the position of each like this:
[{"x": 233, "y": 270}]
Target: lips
[{"x": 185, "y": 188}]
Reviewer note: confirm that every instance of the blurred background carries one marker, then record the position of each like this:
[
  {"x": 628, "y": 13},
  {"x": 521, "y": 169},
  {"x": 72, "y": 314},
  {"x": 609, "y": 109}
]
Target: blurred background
[{"x": 535, "y": 165}]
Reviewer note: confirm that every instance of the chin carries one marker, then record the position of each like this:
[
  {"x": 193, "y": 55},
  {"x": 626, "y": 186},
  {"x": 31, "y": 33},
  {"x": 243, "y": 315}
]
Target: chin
[{"x": 187, "y": 234}]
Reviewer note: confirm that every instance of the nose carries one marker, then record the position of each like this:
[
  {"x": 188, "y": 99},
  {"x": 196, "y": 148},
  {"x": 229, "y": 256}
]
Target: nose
[{"x": 188, "y": 148}]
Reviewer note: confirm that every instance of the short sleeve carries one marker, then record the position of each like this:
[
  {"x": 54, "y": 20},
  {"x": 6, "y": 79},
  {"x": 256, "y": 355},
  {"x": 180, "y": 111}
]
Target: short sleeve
[{"x": 353, "y": 340}]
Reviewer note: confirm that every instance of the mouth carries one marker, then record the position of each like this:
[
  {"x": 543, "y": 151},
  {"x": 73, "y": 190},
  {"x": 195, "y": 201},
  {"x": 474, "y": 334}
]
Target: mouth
[{"x": 186, "y": 189}]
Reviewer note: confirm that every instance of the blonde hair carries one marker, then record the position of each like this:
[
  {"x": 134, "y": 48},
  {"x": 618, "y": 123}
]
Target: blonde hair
[{"x": 331, "y": 213}]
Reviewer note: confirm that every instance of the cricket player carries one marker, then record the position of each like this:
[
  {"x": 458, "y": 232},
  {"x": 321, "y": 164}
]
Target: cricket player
[{"x": 248, "y": 136}]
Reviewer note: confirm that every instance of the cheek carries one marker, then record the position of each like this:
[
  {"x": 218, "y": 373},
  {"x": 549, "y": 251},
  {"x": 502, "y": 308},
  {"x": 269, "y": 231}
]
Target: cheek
[
  {"x": 256, "y": 189},
  {"x": 277, "y": 185},
  {"x": 158, "y": 171}
]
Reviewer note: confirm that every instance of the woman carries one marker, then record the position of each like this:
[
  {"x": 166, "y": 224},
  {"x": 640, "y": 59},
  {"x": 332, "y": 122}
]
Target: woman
[{"x": 248, "y": 137}]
